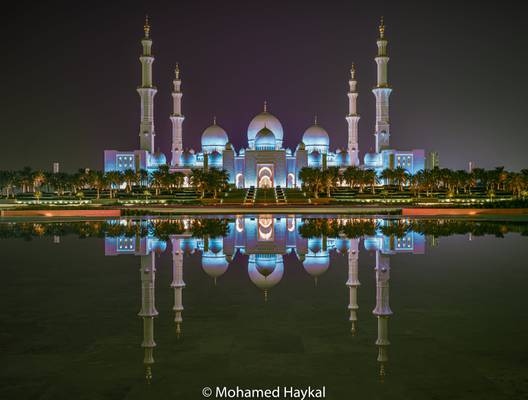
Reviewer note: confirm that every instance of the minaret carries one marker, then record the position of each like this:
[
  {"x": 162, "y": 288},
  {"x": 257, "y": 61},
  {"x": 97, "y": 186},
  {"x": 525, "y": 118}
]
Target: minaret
[
  {"x": 382, "y": 92},
  {"x": 148, "y": 310},
  {"x": 353, "y": 119},
  {"x": 382, "y": 310},
  {"x": 353, "y": 283},
  {"x": 147, "y": 92},
  {"x": 177, "y": 283},
  {"x": 176, "y": 119}
]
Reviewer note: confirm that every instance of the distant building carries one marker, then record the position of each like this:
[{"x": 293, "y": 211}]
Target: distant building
[
  {"x": 264, "y": 162},
  {"x": 433, "y": 160},
  {"x": 56, "y": 168}
]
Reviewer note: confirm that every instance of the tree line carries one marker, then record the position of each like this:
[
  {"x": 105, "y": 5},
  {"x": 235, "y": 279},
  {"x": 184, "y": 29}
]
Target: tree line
[
  {"x": 314, "y": 180},
  {"x": 450, "y": 182},
  {"x": 28, "y": 180}
]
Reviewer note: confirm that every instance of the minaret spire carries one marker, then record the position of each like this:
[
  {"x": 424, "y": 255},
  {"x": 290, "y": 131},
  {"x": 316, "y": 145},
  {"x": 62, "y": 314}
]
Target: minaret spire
[
  {"x": 146, "y": 26},
  {"x": 353, "y": 119},
  {"x": 176, "y": 119},
  {"x": 147, "y": 92},
  {"x": 265, "y": 106},
  {"x": 382, "y": 28},
  {"x": 382, "y": 92}
]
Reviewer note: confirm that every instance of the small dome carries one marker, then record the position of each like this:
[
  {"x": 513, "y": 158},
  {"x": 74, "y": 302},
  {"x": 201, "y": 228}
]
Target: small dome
[
  {"x": 215, "y": 159},
  {"x": 316, "y": 265},
  {"x": 214, "y": 137},
  {"x": 341, "y": 158},
  {"x": 315, "y": 135},
  {"x": 315, "y": 158},
  {"x": 264, "y": 120},
  {"x": 158, "y": 158},
  {"x": 301, "y": 146},
  {"x": 188, "y": 245},
  {"x": 156, "y": 245},
  {"x": 188, "y": 158},
  {"x": 342, "y": 245},
  {"x": 266, "y": 276},
  {"x": 214, "y": 265},
  {"x": 265, "y": 140}
]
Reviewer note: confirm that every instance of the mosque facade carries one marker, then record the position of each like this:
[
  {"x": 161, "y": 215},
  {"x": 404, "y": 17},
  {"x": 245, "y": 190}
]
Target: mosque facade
[{"x": 264, "y": 162}]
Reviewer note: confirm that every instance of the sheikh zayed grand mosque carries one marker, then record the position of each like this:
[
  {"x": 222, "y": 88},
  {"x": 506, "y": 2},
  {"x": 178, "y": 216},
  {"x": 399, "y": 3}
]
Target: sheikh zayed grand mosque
[{"x": 264, "y": 162}]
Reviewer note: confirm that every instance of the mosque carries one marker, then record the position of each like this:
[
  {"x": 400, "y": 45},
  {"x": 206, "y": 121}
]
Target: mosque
[{"x": 264, "y": 162}]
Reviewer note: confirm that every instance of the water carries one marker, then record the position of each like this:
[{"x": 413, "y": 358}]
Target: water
[{"x": 264, "y": 307}]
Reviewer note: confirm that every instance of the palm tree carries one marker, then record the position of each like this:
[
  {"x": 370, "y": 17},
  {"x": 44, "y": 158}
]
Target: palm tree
[
  {"x": 517, "y": 183},
  {"x": 387, "y": 175},
  {"x": 143, "y": 178},
  {"x": 98, "y": 181},
  {"x": 401, "y": 177},
  {"x": 130, "y": 177},
  {"x": 217, "y": 180},
  {"x": 199, "y": 181},
  {"x": 330, "y": 177},
  {"x": 115, "y": 180},
  {"x": 351, "y": 175},
  {"x": 38, "y": 179},
  {"x": 312, "y": 180},
  {"x": 371, "y": 179},
  {"x": 157, "y": 181}
]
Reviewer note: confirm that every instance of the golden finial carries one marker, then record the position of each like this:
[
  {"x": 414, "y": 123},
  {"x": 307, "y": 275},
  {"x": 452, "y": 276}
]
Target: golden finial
[
  {"x": 353, "y": 330},
  {"x": 146, "y": 27},
  {"x": 214, "y": 123},
  {"x": 148, "y": 374},
  {"x": 353, "y": 71},
  {"x": 177, "y": 71},
  {"x": 382, "y": 28},
  {"x": 315, "y": 119},
  {"x": 265, "y": 106},
  {"x": 265, "y": 295}
]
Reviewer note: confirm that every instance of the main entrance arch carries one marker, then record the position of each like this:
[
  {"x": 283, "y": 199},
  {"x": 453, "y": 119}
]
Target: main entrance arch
[{"x": 265, "y": 176}]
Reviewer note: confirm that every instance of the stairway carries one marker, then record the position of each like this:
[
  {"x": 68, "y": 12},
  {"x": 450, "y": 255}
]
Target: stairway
[
  {"x": 250, "y": 195},
  {"x": 280, "y": 196}
]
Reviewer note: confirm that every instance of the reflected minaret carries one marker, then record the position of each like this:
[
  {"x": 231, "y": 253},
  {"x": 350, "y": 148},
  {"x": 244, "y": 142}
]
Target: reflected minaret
[
  {"x": 148, "y": 310},
  {"x": 353, "y": 283},
  {"x": 177, "y": 283},
  {"x": 382, "y": 310}
]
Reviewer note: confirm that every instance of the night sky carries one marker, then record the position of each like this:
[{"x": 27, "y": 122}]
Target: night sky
[{"x": 458, "y": 73}]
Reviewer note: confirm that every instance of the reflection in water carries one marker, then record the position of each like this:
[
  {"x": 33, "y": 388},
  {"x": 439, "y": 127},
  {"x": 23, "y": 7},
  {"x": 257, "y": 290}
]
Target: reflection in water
[{"x": 265, "y": 239}]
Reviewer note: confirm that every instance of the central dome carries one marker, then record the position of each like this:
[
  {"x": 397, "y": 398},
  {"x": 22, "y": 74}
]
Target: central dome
[
  {"x": 264, "y": 120},
  {"x": 265, "y": 140},
  {"x": 316, "y": 136}
]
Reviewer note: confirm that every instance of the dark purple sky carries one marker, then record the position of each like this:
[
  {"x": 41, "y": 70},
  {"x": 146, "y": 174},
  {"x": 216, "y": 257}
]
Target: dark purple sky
[{"x": 458, "y": 73}]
